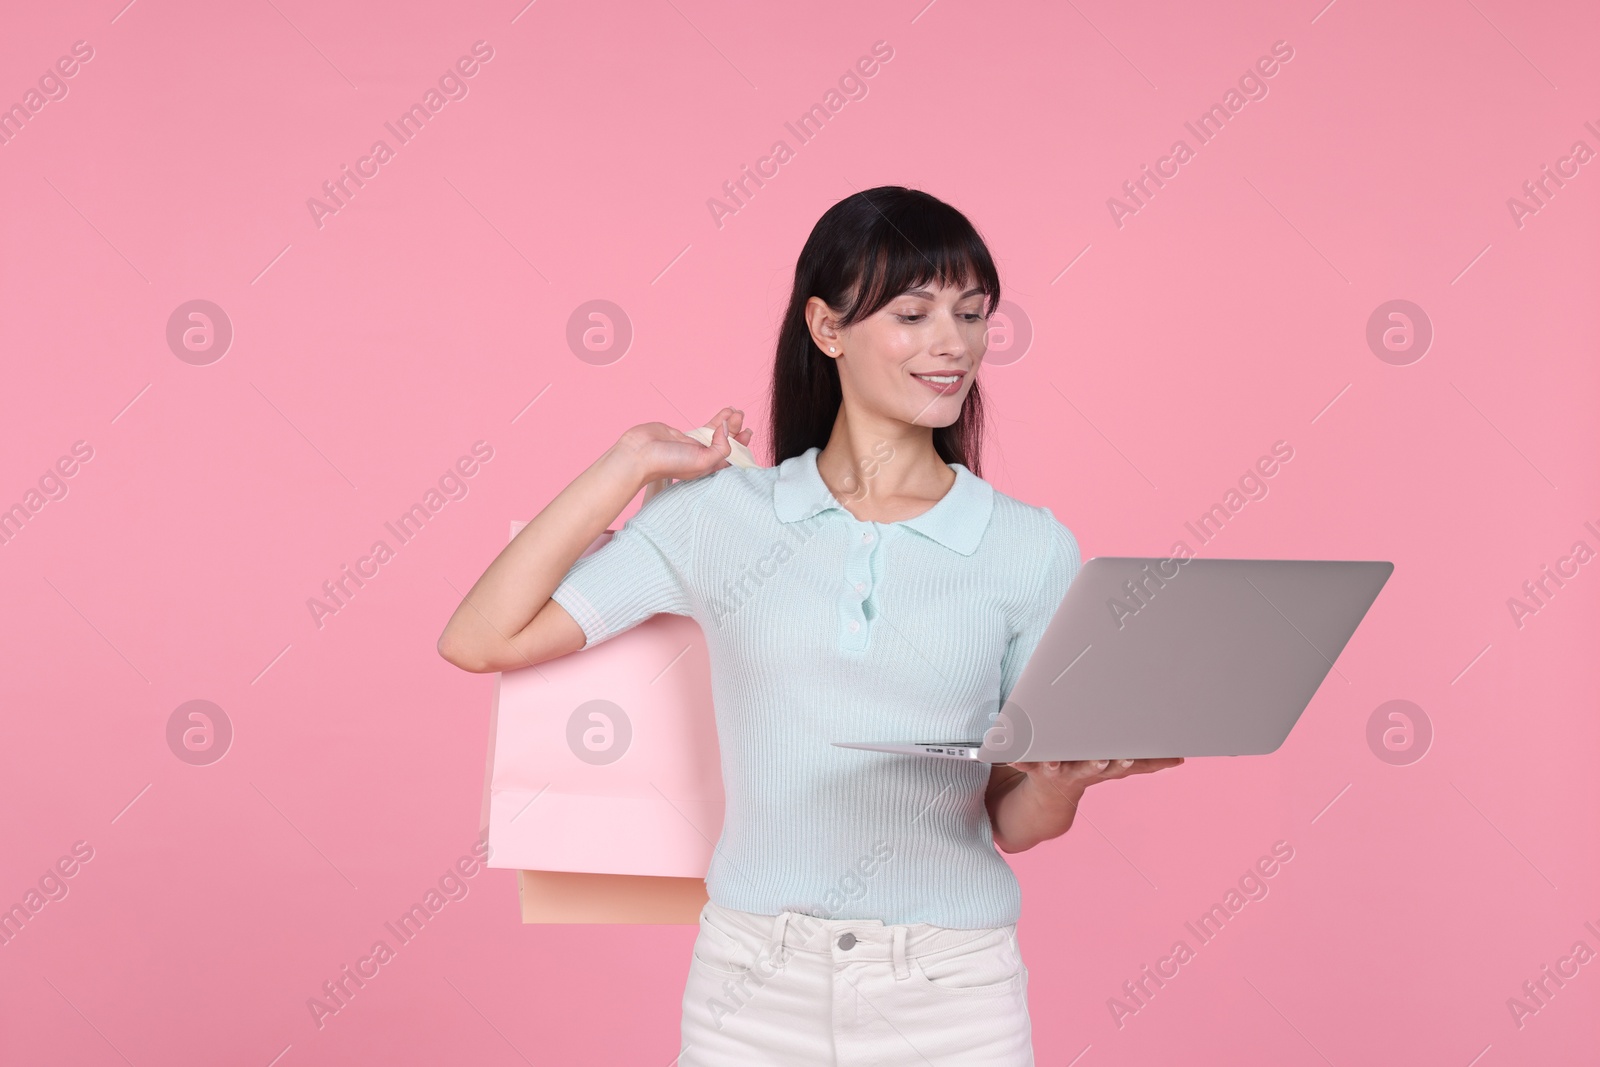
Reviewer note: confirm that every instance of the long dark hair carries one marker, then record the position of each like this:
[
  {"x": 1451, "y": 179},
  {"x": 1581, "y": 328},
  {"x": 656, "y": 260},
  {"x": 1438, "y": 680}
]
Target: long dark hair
[{"x": 866, "y": 250}]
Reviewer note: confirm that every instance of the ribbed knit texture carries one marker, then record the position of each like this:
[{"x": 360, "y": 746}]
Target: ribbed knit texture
[{"x": 949, "y": 607}]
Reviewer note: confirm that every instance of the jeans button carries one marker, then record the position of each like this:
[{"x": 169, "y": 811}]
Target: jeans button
[{"x": 847, "y": 941}]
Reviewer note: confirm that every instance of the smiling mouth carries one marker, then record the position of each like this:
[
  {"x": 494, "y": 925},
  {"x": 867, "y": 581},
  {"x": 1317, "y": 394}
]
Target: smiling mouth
[{"x": 942, "y": 383}]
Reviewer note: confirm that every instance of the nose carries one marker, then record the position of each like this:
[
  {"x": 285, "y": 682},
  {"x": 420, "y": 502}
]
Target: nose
[{"x": 949, "y": 340}]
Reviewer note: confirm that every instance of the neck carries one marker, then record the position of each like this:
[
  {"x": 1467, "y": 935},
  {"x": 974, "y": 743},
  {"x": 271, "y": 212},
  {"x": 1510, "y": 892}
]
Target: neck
[{"x": 883, "y": 469}]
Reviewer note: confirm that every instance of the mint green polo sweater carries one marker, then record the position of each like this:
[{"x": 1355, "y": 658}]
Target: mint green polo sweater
[{"x": 821, "y": 627}]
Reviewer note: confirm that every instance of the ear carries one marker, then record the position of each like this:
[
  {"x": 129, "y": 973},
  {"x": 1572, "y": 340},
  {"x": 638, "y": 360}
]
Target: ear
[{"x": 820, "y": 321}]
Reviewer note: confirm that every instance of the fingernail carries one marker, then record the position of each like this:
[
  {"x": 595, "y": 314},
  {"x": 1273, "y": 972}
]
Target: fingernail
[
  {"x": 1127, "y": 763},
  {"x": 1102, "y": 763}
]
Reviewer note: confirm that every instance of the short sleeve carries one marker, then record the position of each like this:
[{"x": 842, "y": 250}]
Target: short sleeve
[
  {"x": 1062, "y": 564},
  {"x": 644, "y": 570}
]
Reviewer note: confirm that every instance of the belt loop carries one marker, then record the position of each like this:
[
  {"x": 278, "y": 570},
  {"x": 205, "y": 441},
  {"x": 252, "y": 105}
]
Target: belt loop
[
  {"x": 780, "y": 927},
  {"x": 900, "y": 968}
]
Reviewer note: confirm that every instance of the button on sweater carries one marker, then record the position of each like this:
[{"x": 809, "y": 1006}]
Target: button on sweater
[{"x": 822, "y": 627}]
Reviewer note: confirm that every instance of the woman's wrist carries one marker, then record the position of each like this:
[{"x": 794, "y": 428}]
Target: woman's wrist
[{"x": 623, "y": 465}]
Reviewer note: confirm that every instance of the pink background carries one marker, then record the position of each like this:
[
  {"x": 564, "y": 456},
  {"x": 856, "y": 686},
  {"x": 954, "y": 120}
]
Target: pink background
[{"x": 431, "y": 311}]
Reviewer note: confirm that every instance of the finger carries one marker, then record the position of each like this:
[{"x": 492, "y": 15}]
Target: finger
[
  {"x": 1124, "y": 768},
  {"x": 721, "y": 446},
  {"x": 718, "y": 417},
  {"x": 1145, "y": 766},
  {"x": 737, "y": 430},
  {"x": 1152, "y": 763}
]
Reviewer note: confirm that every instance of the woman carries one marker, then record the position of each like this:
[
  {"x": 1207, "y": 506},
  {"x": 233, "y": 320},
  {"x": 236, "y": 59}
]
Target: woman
[{"x": 870, "y": 585}]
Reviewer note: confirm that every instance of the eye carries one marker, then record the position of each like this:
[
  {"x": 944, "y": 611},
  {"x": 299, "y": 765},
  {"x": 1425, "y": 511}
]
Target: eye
[
  {"x": 972, "y": 316},
  {"x": 908, "y": 318}
]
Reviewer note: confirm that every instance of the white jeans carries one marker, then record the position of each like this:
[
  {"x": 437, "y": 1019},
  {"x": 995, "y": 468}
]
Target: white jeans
[{"x": 796, "y": 989}]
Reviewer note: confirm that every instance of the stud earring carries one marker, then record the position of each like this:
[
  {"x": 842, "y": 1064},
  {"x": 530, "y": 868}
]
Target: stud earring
[{"x": 832, "y": 349}]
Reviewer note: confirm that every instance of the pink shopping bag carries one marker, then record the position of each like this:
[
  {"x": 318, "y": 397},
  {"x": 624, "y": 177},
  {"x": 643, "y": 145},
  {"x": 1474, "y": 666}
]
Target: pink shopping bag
[{"x": 604, "y": 786}]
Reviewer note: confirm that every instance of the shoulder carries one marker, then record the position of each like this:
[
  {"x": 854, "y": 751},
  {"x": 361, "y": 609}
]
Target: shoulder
[
  {"x": 1039, "y": 549},
  {"x": 723, "y": 491},
  {"x": 1034, "y": 530}
]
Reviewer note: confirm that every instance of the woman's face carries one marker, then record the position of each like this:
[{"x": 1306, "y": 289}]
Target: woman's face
[{"x": 914, "y": 359}]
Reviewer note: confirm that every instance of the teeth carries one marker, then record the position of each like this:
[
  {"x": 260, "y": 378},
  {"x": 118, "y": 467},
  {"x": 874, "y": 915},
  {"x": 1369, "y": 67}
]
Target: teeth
[{"x": 941, "y": 379}]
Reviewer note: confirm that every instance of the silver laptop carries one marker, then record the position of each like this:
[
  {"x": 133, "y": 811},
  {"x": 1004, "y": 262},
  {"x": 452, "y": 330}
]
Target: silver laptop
[{"x": 1147, "y": 658}]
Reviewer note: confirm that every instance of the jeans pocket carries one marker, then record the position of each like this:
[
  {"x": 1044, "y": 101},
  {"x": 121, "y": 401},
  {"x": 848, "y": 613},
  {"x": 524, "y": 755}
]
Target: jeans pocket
[
  {"x": 986, "y": 965},
  {"x": 722, "y": 952}
]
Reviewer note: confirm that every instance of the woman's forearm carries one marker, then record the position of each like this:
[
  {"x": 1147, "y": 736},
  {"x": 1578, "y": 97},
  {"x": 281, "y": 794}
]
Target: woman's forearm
[{"x": 483, "y": 634}]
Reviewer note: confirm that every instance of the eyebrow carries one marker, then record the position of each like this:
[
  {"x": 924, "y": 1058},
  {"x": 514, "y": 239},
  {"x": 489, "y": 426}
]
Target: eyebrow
[{"x": 926, "y": 295}]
